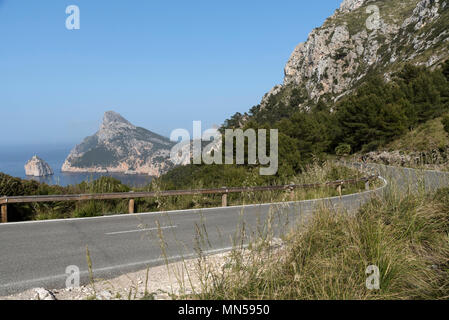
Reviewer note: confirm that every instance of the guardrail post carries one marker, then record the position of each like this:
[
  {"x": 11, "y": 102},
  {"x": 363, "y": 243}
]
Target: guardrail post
[
  {"x": 4, "y": 213},
  {"x": 224, "y": 199},
  {"x": 339, "y": 189},
  {"x": 367, "y": 185},
  {"x": 292, "y": 193},
  {"x": 131, "y": 205}
]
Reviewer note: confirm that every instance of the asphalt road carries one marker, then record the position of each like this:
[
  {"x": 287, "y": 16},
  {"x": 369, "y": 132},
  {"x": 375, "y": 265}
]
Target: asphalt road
[{"x": 36, "y": 254}]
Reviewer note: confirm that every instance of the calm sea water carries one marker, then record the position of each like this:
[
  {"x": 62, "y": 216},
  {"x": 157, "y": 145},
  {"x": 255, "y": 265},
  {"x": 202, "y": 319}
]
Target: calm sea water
[{"x": 13, "y": 159}]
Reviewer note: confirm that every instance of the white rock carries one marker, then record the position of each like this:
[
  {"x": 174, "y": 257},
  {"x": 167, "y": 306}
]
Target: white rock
[
  {"x": 350, "y": 5},
  {"x": 37, "y": 167},
  {"x": 104, "y": 295},
  {"x": 43, "y": 294}
]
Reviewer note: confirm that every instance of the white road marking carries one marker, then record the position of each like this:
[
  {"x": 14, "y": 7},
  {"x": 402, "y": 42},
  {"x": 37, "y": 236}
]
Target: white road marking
[{"x": 140, "y": 230}]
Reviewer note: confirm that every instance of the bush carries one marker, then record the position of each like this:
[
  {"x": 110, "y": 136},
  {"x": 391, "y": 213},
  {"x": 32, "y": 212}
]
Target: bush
[
  {"x": 343, "y": 149},
  {"x": 11, "y": 186},
  {"x": 445, "y": 122}
]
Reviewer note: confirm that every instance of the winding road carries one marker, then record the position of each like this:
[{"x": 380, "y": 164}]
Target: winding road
[{"x": 37, "y": 253}]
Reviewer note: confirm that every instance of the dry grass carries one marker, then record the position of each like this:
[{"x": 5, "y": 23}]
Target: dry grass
[
  {"x": 407, "y": 237},
  {"x": 428, "y": 136}
]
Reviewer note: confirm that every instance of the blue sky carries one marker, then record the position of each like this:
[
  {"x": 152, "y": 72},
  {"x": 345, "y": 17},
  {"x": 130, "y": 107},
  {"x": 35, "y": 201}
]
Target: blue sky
[{"x": 161, "y": 64}]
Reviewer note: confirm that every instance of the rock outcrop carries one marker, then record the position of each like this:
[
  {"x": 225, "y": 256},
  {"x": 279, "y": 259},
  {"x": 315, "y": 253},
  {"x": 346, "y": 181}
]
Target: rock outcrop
[
  {"x": 363, "y": 35},
  {"x": 428, "y": 159},
  {"x": 349, "y": 5},
  {"x": 37, "y": 167},
  {"x": 43, "y": 294},
  {"x": 121, "y": 147}
]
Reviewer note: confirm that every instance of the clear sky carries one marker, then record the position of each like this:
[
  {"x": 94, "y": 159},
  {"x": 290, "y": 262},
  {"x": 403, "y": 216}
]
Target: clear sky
[{"x": 161, "y": 64}]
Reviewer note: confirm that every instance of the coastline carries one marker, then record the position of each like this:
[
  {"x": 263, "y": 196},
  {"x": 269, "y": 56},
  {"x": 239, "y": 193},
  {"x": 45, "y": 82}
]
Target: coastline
[{"x": 123, "y": 168}]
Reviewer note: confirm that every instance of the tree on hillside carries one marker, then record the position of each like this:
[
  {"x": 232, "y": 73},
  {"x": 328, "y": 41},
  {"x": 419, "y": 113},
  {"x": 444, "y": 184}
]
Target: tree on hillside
[
  {"x": 445, "y": 69},
  {"x": 236, "y": 121},
  {"x": 370, "y": 118},
  {"x": 424, "y": 91},
  {"x": 312, "y": 131}
]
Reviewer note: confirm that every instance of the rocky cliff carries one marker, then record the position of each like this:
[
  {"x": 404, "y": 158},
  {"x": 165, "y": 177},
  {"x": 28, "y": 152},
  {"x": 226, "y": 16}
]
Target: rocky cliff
[
  {"x": 121, "y": 147},
  {"x": 37, "y": 167},
  {"x": 361, "y": 36}
]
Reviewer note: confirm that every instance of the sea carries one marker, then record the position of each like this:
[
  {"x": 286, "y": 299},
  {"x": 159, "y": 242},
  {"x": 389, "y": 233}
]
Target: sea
[{"x": 13, "y": 159}]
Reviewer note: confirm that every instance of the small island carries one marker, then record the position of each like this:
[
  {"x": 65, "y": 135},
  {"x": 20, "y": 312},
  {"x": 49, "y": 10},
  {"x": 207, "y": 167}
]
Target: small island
[{"x": 37, "y": 167}]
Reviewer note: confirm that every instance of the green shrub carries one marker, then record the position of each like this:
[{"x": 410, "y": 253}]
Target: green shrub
[
  {"x": 343, "y": 149},
  {"x": 91, "y": 209},
  {"x": 11, "y": 186}
]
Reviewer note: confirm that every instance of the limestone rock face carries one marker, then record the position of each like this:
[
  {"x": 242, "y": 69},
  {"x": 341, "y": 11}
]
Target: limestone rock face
[
  {"x": 428, "y": 159},
  {"x": 349, "y": 5},
  {"x": 37, "y": 167},
  {"x": 121, "y": 147},
  {"x": 366, "y": 35}
]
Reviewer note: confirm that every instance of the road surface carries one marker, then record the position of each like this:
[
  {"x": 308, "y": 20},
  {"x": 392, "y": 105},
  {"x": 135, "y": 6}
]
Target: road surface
[{"x": 36, "y": 254}]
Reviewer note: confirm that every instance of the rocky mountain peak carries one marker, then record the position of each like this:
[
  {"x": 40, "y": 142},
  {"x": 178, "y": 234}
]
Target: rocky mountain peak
[
  {"x": 349, "y": 5},
  {"x": 120, "y": 146},
  {"x": 360, "y": 37},
  {"x": 114, "y": 124},
  {"x": 114, "y": 119}
]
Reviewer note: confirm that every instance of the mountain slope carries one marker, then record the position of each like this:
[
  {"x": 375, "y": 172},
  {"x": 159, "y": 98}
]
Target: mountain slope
[
  {"x": 425, "y": 146},
  {"x": 360, "y": 37},
  {"x": 119, "y": 146},
  {"x": 371, "y": 73}
]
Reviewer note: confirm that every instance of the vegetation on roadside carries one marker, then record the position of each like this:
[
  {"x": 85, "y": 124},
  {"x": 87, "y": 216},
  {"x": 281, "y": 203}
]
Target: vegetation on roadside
[
  {"x": 405, "y": 236},
  {"x": 430, "y": 135},
  {"x": 424, "y": 147},
  {"x": 316, "y": 173},
  {"x": 11, "y": 186},
  {"x": 313, "y": 173}
]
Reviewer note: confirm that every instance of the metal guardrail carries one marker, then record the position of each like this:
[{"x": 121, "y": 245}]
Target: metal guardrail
[{"x": 4, "y": 201}]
